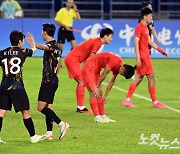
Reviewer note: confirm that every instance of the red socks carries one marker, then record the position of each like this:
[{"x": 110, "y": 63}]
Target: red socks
[
  {"x": 80, "y": 93},
  {"x": 131, "y": 90},
  {"x": 101, "y": 106},
  {"x": 152, "y": 92},
  {"x": 97, "y": 106},
  {"x": 94, "y": 106}
]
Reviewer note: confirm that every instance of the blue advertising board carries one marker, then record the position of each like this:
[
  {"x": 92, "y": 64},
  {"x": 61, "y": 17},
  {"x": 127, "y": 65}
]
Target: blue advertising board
[{"x": 123, "y": 39}]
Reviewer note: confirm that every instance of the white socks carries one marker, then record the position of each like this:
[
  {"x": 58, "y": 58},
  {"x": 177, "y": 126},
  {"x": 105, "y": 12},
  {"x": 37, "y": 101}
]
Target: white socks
[
  {"x": 61, "y": 124},
  {"x": 103, "y": 116},
  {"x": 128, "y": 99},
  {"x": 81, "y": 107},
  {"x": 32, "y": 137},
  {"x": 155, "y": 102},
  {"x": 48, "y": 133}
]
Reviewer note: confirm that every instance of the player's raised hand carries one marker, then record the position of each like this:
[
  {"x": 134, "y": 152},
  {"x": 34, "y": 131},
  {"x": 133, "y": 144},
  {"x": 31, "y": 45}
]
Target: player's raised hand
[
  {"x": 31, "y": 42},
  {"x": 30, "y": 39}
]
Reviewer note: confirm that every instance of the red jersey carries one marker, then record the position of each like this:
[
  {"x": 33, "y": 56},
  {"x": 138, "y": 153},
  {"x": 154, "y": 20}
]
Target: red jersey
[
  {"x": 83, "y": 50},
  {"x": 101, "y": 60},
  {"x": 142, "y": 32}
]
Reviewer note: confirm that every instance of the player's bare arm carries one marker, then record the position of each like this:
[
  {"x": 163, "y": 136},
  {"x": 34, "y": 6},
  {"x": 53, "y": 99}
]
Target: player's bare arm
[
  {"x": 152, "y": 44},
  {"x": 155, "y": 35},
  {"x": 100, "y": 80},
  {"x": 109, "y": 87},
  {"x": 42, "y": 46},
  {"x": 136, "y": 46}
]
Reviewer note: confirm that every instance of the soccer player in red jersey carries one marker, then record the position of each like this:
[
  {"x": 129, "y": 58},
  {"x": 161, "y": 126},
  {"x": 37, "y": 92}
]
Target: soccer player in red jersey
[
  {"x": 78, "y": 55},
  {"x": 143, "y": 60},
  {"x": 92, "y": 80},
  {"x": 151, "y": 27}
]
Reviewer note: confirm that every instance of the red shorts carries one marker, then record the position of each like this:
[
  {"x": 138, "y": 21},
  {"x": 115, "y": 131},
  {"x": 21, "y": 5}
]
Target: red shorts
[
  {"x": 74, "y": 67},
  {"x": 146, "y": 67},
  {"x": 89, "y": 77}
]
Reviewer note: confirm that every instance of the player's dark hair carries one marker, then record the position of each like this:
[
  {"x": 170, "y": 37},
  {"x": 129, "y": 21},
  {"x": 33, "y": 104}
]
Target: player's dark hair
[
  {"x": 106, "y": 31},
  {"x": 146, "y": 11},
  {"x": 145, "y": 4},
  {"x": 49, "y": 29},
  {"x": 15, "y": 36},
  {"x": 129, "y": 71}
]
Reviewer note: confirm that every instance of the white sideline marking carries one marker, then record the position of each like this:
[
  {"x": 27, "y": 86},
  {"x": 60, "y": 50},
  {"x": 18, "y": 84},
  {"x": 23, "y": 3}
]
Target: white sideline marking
[{"x": 142, "y": 97}]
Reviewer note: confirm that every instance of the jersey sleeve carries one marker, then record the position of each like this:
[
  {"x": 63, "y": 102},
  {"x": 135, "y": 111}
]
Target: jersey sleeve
[
  {"x": 49, "y": 46},
  {"x": 112, "y": 68},
  {"x": 96, "y": 45},
  {"x": 74, "y": 14},
  {"x": 114, "y": 64},
  {"x": 111, "y": 64},
  {"x": 27, "y": 52},
  {"x": 54, "y": 47},
  {"x": 138, "y": 32},
  {"x": 59, "y": 15}
]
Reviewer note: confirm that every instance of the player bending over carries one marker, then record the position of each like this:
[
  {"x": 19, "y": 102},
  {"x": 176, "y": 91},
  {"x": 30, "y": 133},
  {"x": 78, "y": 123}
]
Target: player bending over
[
  {"x": 79, "y": 55},
  {"x": 92, "y": 79}
]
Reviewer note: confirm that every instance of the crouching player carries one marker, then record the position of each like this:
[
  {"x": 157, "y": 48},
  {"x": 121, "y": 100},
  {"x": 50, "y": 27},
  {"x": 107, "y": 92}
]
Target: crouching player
[{"x": 92, "y": 79}]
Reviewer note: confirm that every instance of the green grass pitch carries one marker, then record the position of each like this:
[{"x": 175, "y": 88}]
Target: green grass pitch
[{"x": 86, "y": 136}]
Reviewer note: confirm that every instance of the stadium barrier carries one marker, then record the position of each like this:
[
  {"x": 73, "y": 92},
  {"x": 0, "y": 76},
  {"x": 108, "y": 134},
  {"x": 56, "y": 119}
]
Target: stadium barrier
[{"x": 123, "y": 39}]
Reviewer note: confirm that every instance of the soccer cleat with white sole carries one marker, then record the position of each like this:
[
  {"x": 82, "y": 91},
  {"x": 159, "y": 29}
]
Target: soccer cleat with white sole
[
  {"x": 2, "y": 142},
  {"x": 37, "y": 138},
  {"x": 49, "y": 137},
  {"x": 100, "y": 120},
  {"x": 108, "y": 119},
  {"x": 63, "y": 130}
]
